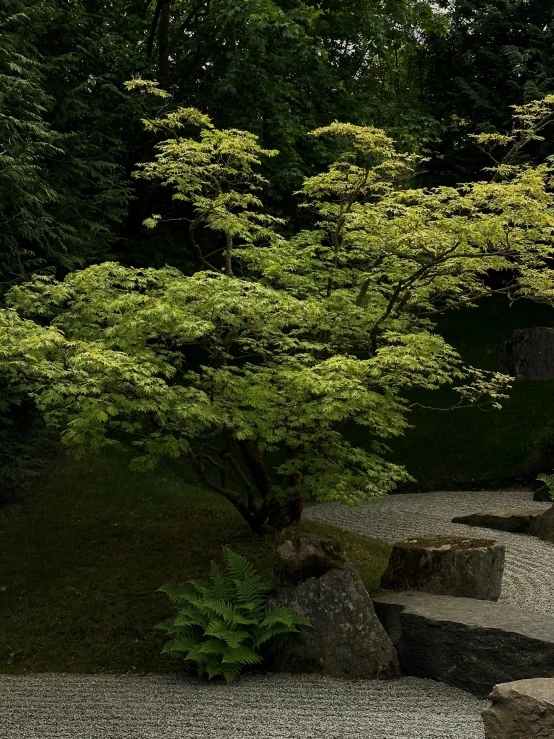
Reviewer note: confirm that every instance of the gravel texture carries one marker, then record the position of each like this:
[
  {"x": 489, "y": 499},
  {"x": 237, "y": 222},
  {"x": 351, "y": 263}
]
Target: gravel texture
[
  {"x": 528, "y": 580},
  {"x": 260, "y": 707},
  {"x": 281, "y": 706}
]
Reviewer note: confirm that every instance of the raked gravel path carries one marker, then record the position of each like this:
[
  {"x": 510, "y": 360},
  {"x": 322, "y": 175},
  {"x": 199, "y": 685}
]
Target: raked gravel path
[
  {"x": 280, "y": 706},
  {"x": 261, "y": 707},
  {"x": 528, "y": 580}
]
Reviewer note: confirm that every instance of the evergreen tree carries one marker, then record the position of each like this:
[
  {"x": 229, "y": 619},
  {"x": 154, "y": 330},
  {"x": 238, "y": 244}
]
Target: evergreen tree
[{"x": 27, "y": 229}]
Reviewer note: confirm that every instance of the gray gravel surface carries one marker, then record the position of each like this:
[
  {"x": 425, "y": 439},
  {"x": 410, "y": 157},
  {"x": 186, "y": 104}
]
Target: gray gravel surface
[
  {"x": 528, "y": 580},
  {"x": 280, "y": 706},
  {"x": 260, "y": 707}
]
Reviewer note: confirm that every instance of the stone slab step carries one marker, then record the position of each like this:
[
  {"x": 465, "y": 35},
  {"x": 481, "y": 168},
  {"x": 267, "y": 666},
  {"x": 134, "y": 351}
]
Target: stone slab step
[
  {"x": 470, "y": 644},
  {"x": 516, "y": 520}
]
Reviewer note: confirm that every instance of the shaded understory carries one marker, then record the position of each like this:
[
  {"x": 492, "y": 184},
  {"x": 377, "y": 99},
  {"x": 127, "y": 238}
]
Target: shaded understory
[
  {"x": 474, "y": 448},
  {"x": 85, "y": 550}
]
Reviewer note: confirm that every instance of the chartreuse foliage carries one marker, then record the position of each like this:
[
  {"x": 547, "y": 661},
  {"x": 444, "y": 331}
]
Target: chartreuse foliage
[
  {"x": 226, "y": 624},
  {"x": 216, "y": 173},
  {"x": 260, "y": 381}
]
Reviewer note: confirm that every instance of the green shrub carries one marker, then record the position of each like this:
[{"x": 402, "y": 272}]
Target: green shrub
[{"x": 226, "y": 624}]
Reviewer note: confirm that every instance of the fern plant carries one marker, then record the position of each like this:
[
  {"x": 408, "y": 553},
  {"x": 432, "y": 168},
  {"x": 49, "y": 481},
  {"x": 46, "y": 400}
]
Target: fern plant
[
  {"x": 549, "y": 483},
  {"x": 225, "y": 624}
]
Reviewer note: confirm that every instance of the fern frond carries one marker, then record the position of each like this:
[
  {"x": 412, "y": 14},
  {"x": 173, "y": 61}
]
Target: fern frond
[
  {"x": 230, "y": 672},
  {"x": 239, "y": 568},
  {"x": 285, "y": 616},
  {"x": 175, "y": 591},
  {"x": 241, "y": 656},
  {"x": 168, "y": 626},
  {"x": 221, "y": 624},
  {"x": 201, "y": 586},
  {"x": 213, "y": 646},
  {"x": 249, "y": 594},
  {"x": 548, "y": 481},
  {"x": 180, "y": 645},
  {"x": 262, "y": 636},
  {"x": 230, "y": 637}
]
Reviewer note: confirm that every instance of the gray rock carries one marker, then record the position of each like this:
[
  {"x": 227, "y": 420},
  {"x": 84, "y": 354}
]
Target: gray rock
[
  {"x": 516, "y": 520},
  {"x": 470, "y": 644},
  {"x": 301, "y": 555},
  {"x": 543, "y": 525},
  {"x": 529, "y": 355},
  {"x": 521, "y": 710},
  {"x": 447, "y": 565},
  {"x": 347, "y": 639}
]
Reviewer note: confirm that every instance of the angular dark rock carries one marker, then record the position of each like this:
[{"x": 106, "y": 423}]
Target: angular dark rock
[
  {"x": 523, "y": 709},
  {"x": 543, "y": 526},
  {"x": 542, "y": 495},
  {"x": 447, "y": 565},
  {"x": 516, "y": 520},
  {"x": 470, "y": 644},
  {"x": 347, "y": 638},
  {"x": 529, "y": 355}
]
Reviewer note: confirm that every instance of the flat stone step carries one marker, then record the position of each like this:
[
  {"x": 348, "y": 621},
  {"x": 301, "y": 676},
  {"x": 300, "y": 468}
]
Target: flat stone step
[
  {"x": 447, "y": 565},
  {"x": 516, "y": 520},
  {"x": 470, "y": 644}
]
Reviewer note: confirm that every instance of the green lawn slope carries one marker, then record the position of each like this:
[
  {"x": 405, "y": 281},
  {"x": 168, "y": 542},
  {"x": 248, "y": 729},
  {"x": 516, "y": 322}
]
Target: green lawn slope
[{"x": 81, "y": 557}]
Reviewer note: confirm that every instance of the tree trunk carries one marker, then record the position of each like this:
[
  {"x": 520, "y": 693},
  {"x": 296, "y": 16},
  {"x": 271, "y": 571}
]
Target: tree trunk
[
  {"x": 260, "y": 508},
  {"x": 286, "y": 513},
  {"x": 163, "y": 44}
]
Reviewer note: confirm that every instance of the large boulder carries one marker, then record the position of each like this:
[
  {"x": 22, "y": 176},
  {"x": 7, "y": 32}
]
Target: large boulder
[
  {"x": 516, "y": 520},
  {"x": 521, "y": 710},
  {"x": 529, "y": 355},
  {"x": 543, "y": 525},
  {"x": 447, "y": 565},
  {"x": 470, "y": 644},
  {"x": 347, "y": 638}
]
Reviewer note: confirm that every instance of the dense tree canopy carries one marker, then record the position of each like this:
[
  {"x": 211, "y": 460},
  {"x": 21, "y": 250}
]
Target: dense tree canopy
[
  {"x": 275, "y": 69},
  {"x": 63, "y": 121},
  {"x": 254, "y": 378},
  {"x": 429, "y": 75},
  {"x": 311, "y": 151}
]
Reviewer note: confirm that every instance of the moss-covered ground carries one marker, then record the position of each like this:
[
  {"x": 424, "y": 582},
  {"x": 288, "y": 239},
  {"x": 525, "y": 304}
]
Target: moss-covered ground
[{"x": 83, "y": 552}]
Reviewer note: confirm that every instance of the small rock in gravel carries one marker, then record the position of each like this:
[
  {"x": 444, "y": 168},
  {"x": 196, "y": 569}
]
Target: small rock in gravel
[
  {"x": 523, "y": 709},
  {"x": 516, "y": 520},
  {"x": 543, "y": 526}
]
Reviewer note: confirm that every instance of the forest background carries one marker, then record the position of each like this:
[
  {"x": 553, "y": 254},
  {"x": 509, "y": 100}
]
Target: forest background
[{"x": 430, "y": 75}]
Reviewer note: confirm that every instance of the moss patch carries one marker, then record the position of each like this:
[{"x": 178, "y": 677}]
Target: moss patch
[{"x": 444, "y": 542}]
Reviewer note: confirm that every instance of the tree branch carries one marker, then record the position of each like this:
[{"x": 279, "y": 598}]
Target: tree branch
[
  {"x": 198, "y": 251},
  {"x": 230, "y": 495}
]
